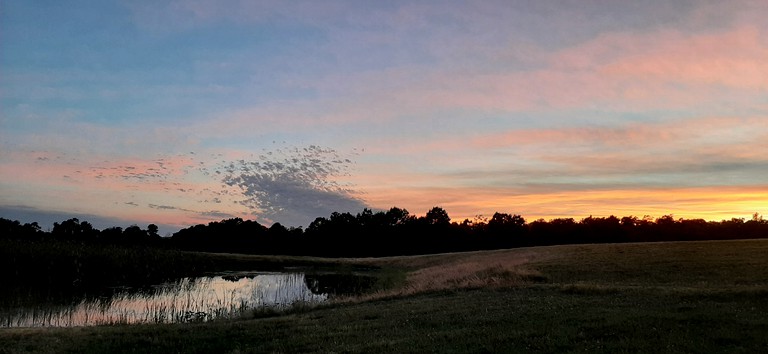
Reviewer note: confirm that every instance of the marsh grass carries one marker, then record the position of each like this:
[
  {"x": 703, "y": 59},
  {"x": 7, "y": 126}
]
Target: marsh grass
[
  {"x": 184, "y": 301},
  {"x": 61, "y": 273},
  {"x": 51, "y": 268}
]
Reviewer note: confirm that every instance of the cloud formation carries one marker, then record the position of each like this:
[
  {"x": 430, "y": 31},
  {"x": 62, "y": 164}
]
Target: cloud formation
[
  {"x": 293, "y": 185},
  {"x": 474, "y": 105}
]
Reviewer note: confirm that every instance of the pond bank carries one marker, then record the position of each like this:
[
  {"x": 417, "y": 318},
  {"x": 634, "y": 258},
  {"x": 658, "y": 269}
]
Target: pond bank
[
  {"x": 662, "y": 297},
  {"x": 64, "y": 283}
]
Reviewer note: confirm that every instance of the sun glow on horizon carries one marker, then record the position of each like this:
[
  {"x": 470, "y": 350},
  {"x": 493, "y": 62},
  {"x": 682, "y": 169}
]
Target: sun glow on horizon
[{"x": 185, "y": 112}]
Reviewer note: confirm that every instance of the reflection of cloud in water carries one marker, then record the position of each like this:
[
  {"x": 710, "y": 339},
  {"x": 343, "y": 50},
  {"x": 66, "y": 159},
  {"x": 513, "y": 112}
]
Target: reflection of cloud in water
[
  {"x": 188, "y": 299},
  {"x": 263, "y": 289}
]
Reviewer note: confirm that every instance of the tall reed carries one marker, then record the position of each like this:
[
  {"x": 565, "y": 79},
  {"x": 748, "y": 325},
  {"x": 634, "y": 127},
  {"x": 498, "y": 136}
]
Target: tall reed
[{"x": 186, "y": 300}]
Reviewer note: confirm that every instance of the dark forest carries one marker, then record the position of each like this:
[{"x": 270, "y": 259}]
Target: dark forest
[{"x": 395, "y": 232}]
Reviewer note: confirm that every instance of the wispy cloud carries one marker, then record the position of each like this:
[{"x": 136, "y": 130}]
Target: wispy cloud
[
  {"x": 162, "y": 207},
  {"x": 626, "y": 71},
  {"x": 453, "y": 103},
  {"x": 292, "y": 185},
  {"x": 654, "y": 75},
  {"x": 700, "y": 154}
]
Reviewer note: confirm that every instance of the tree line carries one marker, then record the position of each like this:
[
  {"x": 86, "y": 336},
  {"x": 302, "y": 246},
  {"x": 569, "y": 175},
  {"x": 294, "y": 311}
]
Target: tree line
[{"x": 396, "y": 232}]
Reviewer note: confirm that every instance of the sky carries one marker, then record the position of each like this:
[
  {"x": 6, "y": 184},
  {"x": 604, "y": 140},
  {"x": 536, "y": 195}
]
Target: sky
[{"x": 184, "y": 112}]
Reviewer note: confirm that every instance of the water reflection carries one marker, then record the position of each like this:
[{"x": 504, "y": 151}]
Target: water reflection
[
  {"x": 340, "y": 284},
  {"x": 185, "y": 300}
]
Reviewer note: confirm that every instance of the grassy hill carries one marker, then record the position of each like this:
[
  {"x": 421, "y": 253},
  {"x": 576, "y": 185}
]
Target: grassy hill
[{"x": 709, "y": 296}]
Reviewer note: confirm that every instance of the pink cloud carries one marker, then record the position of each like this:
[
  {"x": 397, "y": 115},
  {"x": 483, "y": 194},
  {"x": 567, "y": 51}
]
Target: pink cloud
[
  {"x": 634, "y": 135},
  {"x": 735, "y": 59},
  {"x": 126, "y": 187},
  {"x": 722, "y": 137},
  {"x": 496, "y": 170},
  {"x": 136, "y": 169},
  {"x": 656, "y": 70},
  {"x": 617, "y": 66},
  {"x": 659, "y": 70}
]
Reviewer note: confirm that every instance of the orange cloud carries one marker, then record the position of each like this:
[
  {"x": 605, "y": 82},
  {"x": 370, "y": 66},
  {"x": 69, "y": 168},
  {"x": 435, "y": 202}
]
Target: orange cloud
[
  {"x": 724, "y": 138},
  {"x": 575, "y": 172},
  {"x": 710, "y": 203}
]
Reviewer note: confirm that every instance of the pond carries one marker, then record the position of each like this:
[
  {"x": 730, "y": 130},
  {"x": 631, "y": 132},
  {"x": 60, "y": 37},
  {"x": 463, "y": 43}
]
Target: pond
[{"x": 198, "y": 299}]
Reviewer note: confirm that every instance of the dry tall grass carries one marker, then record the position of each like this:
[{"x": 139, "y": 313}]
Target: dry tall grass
[
  {"x": 470, "y": 274},
  {"x": 468, "y": 270}
]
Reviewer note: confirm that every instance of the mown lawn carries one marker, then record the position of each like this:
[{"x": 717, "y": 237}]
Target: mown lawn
[{"x": 701, "y": 297}]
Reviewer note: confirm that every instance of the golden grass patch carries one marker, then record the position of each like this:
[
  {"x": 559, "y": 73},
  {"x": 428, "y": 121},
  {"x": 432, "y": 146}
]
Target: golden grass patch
[{"x": 467, "y": 270}]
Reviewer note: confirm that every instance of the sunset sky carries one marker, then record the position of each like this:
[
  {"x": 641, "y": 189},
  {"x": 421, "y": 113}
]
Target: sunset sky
[{"x": 184, "y": 112}]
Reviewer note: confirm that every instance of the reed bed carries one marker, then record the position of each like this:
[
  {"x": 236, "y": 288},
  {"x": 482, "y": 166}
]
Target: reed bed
[{"x": 187, "y": 300}]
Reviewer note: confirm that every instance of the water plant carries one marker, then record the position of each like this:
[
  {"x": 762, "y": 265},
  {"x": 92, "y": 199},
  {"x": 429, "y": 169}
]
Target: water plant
[{"x": 186, "y": 300}]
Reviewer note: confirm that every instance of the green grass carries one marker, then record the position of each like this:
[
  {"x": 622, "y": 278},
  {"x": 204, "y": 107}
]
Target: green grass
[{"x": 701, "y": 297}]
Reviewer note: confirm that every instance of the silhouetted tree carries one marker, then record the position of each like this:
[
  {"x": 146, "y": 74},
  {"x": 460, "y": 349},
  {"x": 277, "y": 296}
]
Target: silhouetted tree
[
  {"x": 75, "y": 230},
  {"x": 112, "y": 234},
  {"x": 134, "y": 234},
  {"x": 13, "y": 229},
  {"x": 365, "y": 219},
  {"x": 278, "y": 229},
  {"x": 396, "y": 216},
  {"x": 437, "y": 216},
  {"x": 397, "y": 232},
  {"x": 504, "y": 220},
  {"x": 505, "y": 230},
  {"x": 556, "y": 231},
  {"x": 152, "y": 230},
  {"x": 393, "y": 231},
  {"x": 598, "y": 230},
  {"x": 317, "y": 225}
]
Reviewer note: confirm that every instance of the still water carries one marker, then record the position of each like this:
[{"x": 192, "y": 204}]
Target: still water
[{"x": 184, "y": 300}]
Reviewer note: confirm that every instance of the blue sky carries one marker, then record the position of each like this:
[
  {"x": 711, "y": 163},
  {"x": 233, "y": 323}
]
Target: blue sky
[{"x": 131, "y": 111}]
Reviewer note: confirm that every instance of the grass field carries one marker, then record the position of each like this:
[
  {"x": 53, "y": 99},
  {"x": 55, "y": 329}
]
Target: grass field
[{"x": 701, "y": 297}]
